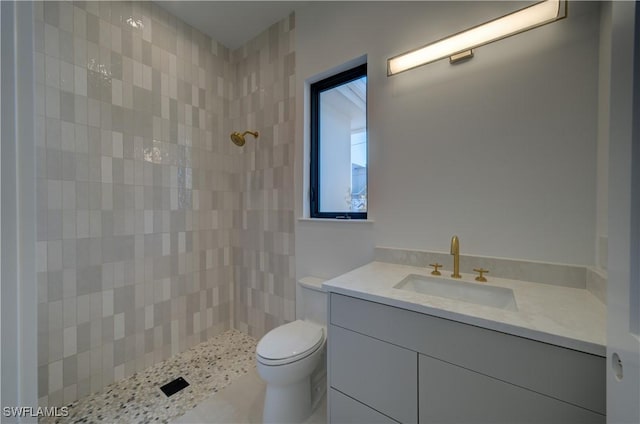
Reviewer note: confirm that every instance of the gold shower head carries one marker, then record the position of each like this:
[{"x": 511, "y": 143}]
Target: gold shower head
[{"x": 238, "y": 139}]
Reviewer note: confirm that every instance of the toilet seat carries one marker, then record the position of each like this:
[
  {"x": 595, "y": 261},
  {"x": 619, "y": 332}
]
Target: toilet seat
[{"x": 290, "y": 342}]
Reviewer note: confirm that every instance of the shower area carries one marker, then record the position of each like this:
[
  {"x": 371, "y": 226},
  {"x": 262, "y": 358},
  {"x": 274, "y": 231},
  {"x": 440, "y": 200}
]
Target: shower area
[{"x": 156, "y": 230}]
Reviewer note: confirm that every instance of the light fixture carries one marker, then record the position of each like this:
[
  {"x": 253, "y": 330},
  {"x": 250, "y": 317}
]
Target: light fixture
[{"x": 458, "y": 46}]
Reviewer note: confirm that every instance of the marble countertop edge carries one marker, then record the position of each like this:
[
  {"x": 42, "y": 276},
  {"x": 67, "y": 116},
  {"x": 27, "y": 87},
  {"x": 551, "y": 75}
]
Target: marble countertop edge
[{"x": 379, "y": 288}]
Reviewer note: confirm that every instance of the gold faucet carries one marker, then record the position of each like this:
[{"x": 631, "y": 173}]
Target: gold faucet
[{"x": 455, "y": 251}]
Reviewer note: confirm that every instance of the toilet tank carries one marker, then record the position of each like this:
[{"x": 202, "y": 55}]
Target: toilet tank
[{"x": 311, "y": 300}]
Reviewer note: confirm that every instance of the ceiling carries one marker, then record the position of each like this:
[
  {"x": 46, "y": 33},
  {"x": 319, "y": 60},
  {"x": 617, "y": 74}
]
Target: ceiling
[{"x": 231, "y": 23}]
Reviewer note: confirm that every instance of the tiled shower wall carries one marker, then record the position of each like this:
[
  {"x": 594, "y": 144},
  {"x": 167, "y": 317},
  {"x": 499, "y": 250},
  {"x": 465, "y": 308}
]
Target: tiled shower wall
[
  {"x": 264, "y": 100},
  {"x": 147, "y": 213},
  {"x": 136, "y": 197}
]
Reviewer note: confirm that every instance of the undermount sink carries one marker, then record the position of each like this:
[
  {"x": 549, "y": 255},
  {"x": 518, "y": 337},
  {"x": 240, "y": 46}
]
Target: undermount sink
[{"x": 495, "y": 297}]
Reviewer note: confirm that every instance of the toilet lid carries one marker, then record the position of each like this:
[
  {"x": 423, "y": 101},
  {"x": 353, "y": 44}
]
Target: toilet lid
[{"x": 290, "y": 340}]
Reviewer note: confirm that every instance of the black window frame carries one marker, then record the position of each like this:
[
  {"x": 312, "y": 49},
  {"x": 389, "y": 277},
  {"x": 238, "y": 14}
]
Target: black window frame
[{"x": 315, "y": 90}]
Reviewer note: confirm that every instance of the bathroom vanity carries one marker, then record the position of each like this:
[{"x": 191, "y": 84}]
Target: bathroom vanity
[{"x": 397, "y": 355}]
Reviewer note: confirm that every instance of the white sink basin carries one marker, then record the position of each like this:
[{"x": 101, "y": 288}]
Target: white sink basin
[{"x": 495, "y": 297}]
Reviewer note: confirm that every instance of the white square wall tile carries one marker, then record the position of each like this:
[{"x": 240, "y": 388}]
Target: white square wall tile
[
  {"x": 69, "y": 341},
  {"x": 80, "y": 52},
  {"x": 69, "y": 287},
  {"x": 118, "y": 326},
  {"x": 116, "y": 92},
  {"x": 118, "y": 372},
  {"x": 146, "y": 77},
  {"x": 54, "y": 255},
  {"x": 84, "y": 365},
  {"x": 68, "y": 136},
  {"x": 52, "y": 71},
  {"x": 52, "y": 102},
  {"x": 68, "y": 194},
  {"x": 82, "y": 224},
  {"x": 148, "y": 317},
  {"x": 54, "y": 194},
  {"x": 116, "y": 39},
  {"x": 95, "y": 300},
  {"x": 69, "y": 312},
  {"x": 51, "y": 43},
  {"x": 67, "y": 78},
  {"x": 117, "y": 144},
  {"x": 65, "y": 16},
  {"x": 55, "y": 376},
  {"x": 83, "y": 309},
  {"x": 107, "y": 303},
  {"x": 55, "y": 315},
  {"x": 95, "y": 223},
  {"x": 41, "y": 256},
  {"x": 70, "y": 393},
  {"x": 107, "y": 176},
  {"x": 80, "y": 80}
]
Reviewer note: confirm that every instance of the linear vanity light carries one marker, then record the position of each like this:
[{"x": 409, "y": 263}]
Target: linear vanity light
[{"x": 458, "y": 46}]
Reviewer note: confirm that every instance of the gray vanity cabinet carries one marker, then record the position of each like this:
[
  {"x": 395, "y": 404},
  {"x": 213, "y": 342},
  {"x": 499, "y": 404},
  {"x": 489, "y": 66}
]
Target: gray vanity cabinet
[
  {"x": 452, "y": 394},
  {"x": 392, "y": 363},
  {"x": 347, "y": 410},
  {"x": 376, "y": 373}
]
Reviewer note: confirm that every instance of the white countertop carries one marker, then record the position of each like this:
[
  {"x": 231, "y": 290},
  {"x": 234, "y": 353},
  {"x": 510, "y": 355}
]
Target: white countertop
[{"x": 563, "y": 316}]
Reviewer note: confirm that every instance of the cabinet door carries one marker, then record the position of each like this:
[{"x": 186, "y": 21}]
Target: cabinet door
[
  {"x": 345, "y": 410},
  {"x": 452, "y": 394},
  {"x": 378, "y": 374},
  {"x": 575, "y": 377}
]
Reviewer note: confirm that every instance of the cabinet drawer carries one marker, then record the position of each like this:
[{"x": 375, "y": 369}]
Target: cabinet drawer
[
  {"x": 345, "y": 410},
  {"x": 451, "y": 394},
  {"x": 374, "y": 372},
  {"x": 565, "y": 374}
]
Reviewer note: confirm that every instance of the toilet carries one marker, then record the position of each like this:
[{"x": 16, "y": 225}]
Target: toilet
[{"x": 291, "y": 358}]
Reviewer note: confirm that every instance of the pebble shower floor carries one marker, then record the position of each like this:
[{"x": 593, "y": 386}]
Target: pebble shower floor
[{"x": 207, "y": 367}]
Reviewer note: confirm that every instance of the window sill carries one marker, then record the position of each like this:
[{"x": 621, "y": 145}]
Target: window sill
[{"x": 353, "y": 221}]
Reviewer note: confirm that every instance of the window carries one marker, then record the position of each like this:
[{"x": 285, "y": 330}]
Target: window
[{"x": 339, "y": 145}]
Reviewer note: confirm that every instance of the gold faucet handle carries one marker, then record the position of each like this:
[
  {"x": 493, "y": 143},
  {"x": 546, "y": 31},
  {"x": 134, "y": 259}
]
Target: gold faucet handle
[
  {"x": 435, "y": 268},
  {"x": 481, "y": 277}
]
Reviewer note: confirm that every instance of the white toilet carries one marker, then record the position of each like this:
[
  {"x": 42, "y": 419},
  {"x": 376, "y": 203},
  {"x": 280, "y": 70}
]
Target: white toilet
[{"x": 291, "y": 359}]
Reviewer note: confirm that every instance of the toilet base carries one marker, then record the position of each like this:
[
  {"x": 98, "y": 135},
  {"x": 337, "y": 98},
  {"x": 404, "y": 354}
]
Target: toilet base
[{"x": 290, "y": 403}]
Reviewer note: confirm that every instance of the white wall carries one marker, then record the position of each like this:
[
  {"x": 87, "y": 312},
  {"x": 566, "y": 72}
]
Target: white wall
[
  {"x": 18, "y": 288},
  {"x": 623, "y": 292},
  {"x": 602, "y": 189},
  {"x": 500, "y": 150}
]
